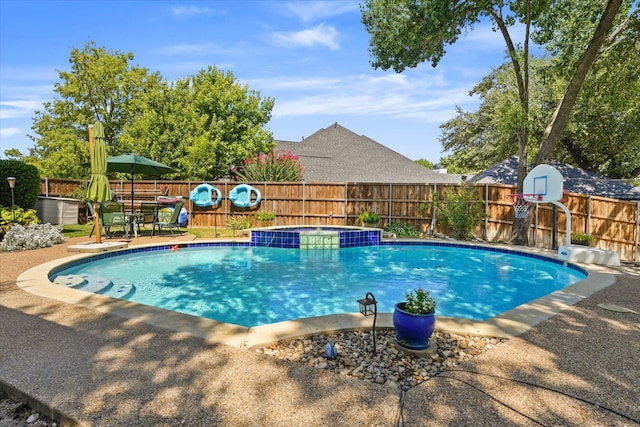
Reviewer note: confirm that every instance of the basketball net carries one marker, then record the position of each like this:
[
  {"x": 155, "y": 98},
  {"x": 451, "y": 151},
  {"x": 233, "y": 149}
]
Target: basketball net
[{"x": 521, "y": 203}]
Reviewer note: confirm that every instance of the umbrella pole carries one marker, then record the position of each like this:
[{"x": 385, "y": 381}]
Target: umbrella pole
[
  {"x": 131, "y": 188},
  {"x": 96, "y": 222}
]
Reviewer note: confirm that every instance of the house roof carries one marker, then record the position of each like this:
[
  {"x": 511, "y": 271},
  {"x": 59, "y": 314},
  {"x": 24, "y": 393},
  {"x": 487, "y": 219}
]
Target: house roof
[
  {"x": 576, "y": 180},
  {"x": 336, "y": 154}
]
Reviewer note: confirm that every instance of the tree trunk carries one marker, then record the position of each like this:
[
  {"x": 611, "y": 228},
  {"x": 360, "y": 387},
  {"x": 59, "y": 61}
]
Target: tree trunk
[
  {"x": 560, "y": 118},
  {"x": 562, "y": 113}
]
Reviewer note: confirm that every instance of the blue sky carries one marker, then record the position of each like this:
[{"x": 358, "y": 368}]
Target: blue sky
[{"x": 311, "y": 57}]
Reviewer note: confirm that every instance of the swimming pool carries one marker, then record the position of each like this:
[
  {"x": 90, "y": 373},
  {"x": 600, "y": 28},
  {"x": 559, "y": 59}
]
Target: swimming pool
[{"x": 249, "y": 286}]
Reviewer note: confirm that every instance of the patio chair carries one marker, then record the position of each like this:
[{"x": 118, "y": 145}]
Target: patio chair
[
  {"x": 148, "y": 214},
  {"x": 112, "y": 215},
  {"x": 171, "y": 223}
]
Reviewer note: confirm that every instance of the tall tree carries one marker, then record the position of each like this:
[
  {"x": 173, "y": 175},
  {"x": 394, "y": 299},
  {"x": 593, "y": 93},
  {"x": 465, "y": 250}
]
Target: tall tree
[
  {"x": 101, "y": 85},
  {"x": 204, "y": 125},
  {"x": 602, "y": 135},
  {"x": 405, "y": 33}
]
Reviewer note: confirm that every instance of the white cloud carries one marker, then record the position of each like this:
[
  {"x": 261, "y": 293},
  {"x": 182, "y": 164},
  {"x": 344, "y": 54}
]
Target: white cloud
[
  {"x": 323, "y": 35},
  {"x": 424, "y": 97},
  {"x": 7, "y": 132},
  {"x": 18, "y": 109},
  {"x": 309, "y": 11},
  {"x": 185, "y": 11}
]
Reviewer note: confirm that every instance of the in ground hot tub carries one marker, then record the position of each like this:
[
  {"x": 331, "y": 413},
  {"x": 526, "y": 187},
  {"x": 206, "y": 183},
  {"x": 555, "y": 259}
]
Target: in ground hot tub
[{"x": 315, "y": 237}]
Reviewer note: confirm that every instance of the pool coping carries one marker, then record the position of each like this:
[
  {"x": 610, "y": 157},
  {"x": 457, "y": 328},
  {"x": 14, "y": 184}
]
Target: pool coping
[{"x": 506, "y": 325}]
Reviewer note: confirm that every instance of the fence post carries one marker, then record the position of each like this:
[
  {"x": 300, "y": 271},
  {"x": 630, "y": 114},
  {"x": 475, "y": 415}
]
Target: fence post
[
  {"x": 346, "y": 203},
  {"x": 635, "y": 244},
  {"x": 303, "y": 200},
  {"x": 390, "y": 201},
  {"x": 433, "y": 213},
  {"x": 486, "y": 211},
  {"x": 588, "y": 230}
]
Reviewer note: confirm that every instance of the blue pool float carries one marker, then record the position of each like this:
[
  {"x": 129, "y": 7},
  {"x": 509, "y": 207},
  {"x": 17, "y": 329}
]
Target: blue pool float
[
  {"x": 240, "y": 196},
  {"x": 202, "y": 195}
]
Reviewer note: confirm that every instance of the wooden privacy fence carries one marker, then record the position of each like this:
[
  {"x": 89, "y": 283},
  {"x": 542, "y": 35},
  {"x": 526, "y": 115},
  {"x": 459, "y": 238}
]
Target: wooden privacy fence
[{"x": 614, "y": 224}]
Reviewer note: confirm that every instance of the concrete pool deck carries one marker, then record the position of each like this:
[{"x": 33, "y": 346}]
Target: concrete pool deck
[{"x": 150, "y": 368}]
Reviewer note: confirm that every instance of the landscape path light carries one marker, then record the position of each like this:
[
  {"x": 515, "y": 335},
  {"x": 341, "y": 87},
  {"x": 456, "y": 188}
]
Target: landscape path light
[
  {"x": 12, "y": 184},
  {"x": 369, "y": 306}
]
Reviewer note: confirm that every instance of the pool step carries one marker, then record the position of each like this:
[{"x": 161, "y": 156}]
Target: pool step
[
  {"x": 122, "y": 291},
  {"x": 95, "y": 284},
  {"x": 70, "y": 280},
  {"x": 84, "y": 282}
]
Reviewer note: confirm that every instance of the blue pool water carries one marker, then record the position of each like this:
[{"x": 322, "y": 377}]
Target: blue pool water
[{"x": 251, "y": 286}]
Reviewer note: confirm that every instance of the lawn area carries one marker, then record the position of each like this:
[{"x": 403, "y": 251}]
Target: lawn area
[{"x": 83, "y": 230}]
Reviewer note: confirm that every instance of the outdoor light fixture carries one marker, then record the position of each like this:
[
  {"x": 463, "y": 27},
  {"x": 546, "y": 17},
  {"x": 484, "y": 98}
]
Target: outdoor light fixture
[
  {"x": 369, "y": 306},
  {"x": 12, "y": 184}
]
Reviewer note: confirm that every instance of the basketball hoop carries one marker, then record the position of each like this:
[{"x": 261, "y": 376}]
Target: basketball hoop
[{"x": 521, "y": 203}]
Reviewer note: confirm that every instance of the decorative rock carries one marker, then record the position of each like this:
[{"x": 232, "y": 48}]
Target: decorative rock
[{"x": 389, "y": 366}]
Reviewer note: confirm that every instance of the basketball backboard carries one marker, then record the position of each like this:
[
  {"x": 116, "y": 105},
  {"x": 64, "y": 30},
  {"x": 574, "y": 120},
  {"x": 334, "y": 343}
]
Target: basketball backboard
[{"x": 545, "y": 182}]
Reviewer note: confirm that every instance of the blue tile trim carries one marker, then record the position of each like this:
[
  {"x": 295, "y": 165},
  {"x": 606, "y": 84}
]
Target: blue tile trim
[{"x": 290, "y": 238}]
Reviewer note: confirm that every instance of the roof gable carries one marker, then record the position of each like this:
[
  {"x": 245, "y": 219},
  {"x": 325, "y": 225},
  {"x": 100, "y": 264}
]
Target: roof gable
[
  {"x": 336, "y": 154},
  {"x": 576, "y": 180}
]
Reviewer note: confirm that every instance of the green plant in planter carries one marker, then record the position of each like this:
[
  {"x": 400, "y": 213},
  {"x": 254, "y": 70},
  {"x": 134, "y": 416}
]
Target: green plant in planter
[
  {"x": 414, "y": 320},
  {"x": 581, "y": 238},
  {"x": 368, "y": 218},
  {"x": 420, "y": 301},
  {"x": 265, "y": 216}
]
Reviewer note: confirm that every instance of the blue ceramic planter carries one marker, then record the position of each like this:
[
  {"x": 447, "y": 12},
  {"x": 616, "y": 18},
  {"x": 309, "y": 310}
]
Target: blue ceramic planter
[{"x": 413, "y": 330}]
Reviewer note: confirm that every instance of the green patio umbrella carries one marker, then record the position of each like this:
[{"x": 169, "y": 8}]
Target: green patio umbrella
[
  {"x": 98, "y": 190},
  {"x": 135, "y": 164}
]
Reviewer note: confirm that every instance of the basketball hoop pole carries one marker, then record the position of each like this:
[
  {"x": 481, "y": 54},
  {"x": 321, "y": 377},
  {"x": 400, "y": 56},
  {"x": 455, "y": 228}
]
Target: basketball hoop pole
[{"x": 567, "y": 214}]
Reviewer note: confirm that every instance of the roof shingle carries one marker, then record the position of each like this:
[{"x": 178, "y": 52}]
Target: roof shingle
[{"x": 336, "y": 154}]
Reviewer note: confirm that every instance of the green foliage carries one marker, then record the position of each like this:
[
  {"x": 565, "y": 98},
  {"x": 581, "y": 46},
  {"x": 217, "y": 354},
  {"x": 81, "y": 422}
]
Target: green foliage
[
  {"x": 582, "y": 237},
  {"x": 405, "y": 33},
  {"x": 238, "y": 223},
  {"x": 100, "y": 85},
  {"x": 27, "y": 186},
  {"x": 368, "y": 218},
  {"x": 265, "y": 216},
  {"x": 426, "y": 163},
  {"x": 420, "y": 301},
  {"x": 79, "y": 193},
  {"x": 271, "y": 167},
  {"x": 17, "y": 215},
  {"x": 604, "y": 117},
  {"x": 33, "y": 236},
  {"x": 461, "y": 211},
  {"x": 401, "y": 229},
  {"x": 201, "y": 125}
]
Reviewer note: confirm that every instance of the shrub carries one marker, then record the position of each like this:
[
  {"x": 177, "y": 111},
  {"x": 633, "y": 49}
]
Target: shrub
[
  {"x": 582, "y": 238},
  {"x": 461, "y": 211},
  {"x": 265, "y": 216},
  {"x": 32, "y": 236},
  {"x": 368, "y": 218},
  {"x": 401, "y": 229},
  {"x": 272, "y": 167},
  {"x": 18, "y": 216},
  {"x": 238, "y": 223},
  {"x": 27, "y": 184}
]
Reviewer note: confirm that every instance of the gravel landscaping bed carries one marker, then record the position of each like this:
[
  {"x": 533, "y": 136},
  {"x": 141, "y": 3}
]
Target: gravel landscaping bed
[
  {"x": 388, "y": 366},
  {"x": 19, "y": 414}
]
